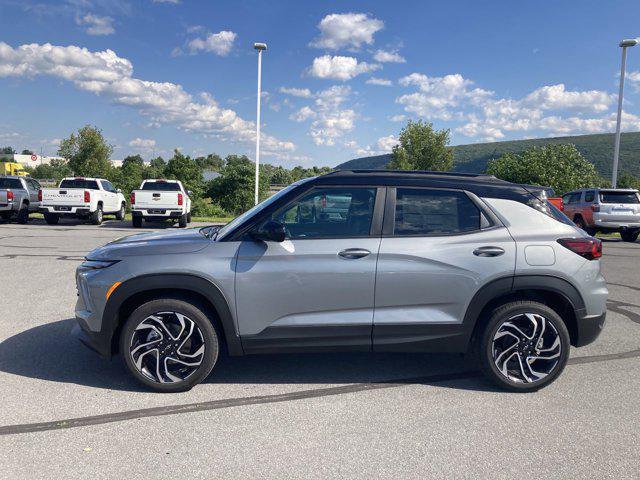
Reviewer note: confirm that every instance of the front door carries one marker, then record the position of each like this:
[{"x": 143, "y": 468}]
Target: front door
[
  {"x": 315, "y": 290},
  {"x": 437, "y": 251}
]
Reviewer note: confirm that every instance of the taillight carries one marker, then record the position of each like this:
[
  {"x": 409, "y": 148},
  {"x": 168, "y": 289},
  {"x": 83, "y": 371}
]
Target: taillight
[
  {"x": 132, "y": 198},
  {"x": 179, "y": 199},
  {"x": 39, "y": 195},
  {"x": 10, "y": 196},
  {"x": 587, "y": 247},
  {"x": 87, "y": 196},
  {"x": 595, "y": 208}
]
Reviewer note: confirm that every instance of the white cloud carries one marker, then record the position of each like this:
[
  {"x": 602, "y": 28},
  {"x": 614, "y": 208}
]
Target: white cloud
[
  {"x": 384, "y": 56},
  {"x": 634, "y": 79},
  {"x": 398, "y": 118},
  {"x": 387, "y": 143},
  {"x": 142, "y": 143},
  {"x": 219, "y": 43},
  {"x": 346, "y": 30},
  {"x": 296, "y": 92},
  {"x": 332, "y": 121},
  {"x": 105, "y": 74},
  {"x": 379, "y": 81},
  {"x": 95, "y": 24},
  {"x": 174, "y": 2},
  {"x": 304, "y": 114},
  {"x": 556, "y": 97},
  {"x": 339, "y": 68}
]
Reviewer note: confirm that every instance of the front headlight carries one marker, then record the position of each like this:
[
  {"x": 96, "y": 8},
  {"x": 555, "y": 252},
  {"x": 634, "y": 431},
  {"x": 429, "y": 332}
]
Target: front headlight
[{"x": 89, "y": 264}]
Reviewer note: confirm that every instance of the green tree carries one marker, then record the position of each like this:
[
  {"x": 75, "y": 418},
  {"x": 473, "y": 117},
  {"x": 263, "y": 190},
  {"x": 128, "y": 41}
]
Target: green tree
[
  {"x": 233, "y": 190},
  {"x": 7, "y": 151},
  {"x": 27, "y": 152},
  {"x": 56, "y": 169},
  {"x": 421, "y": 147},
  {"x": 87, "y": 152},
  {"x": 158, "y": 162},
  {"x": 559, "y": 166},
  {"x": 233, "y": 160},
  {"x": 280, "y": 176},
  {"x": 182, "y": 167},
  {"x": 626, "y": 180},
  {"x": 212, "y": 161}
]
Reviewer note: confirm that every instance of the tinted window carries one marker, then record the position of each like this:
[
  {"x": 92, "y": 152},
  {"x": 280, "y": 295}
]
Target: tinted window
[
  {"x": 589, "y": 196},
  {"x": 162, "y": 186},
  {"x": 108, "y": 187},
  {"x": 329, "y": 212},
  {"x": 79, "y": 183},
  {"x": 432, "y": 212},
  {"x": 13, "y": 183},
  {"x": 575, "y": 197},
  {"x": 619, "y": 197}
]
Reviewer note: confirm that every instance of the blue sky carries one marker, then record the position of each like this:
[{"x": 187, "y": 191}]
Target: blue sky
[{"x": 340, "y": 78}]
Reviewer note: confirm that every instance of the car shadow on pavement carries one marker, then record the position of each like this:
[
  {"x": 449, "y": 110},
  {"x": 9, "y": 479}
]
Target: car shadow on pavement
[{"x": 49, "y": 352}]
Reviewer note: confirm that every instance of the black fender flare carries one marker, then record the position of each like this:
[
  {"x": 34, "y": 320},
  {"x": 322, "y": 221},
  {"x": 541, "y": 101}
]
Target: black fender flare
[
  {"x": 170, "y": 281},
  {"x": 511, "y": 285}
]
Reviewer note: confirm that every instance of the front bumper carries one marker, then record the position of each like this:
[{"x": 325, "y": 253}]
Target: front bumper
[
  {"x": 589, "y": 328},
  {"x": 92, "y": 340}
]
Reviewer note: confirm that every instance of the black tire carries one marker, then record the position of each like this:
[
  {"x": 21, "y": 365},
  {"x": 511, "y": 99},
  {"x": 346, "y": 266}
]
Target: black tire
[
  {"x": 206, "y": 336},
  {"x": 51, "y": 218},
  {"x": 182, "y": 221},
  {"x": 136, "y": 222},
  {"x": 23, "y": 214},
  {"x": 189, "y": 217},
  {"x": 97, "y": 216},
  {"x": 121, "y": 213},
  {"x": 630, "y": 235},
  {"x": 510, "y": 313}
]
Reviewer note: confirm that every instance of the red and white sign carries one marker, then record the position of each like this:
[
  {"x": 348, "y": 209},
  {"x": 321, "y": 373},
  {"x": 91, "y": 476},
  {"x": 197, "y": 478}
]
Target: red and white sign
[{"x": 34, "y": 157}]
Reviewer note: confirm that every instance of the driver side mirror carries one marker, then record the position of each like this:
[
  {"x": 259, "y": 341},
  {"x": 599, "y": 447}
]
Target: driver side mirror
[
  {"x": 189, "y": 193},
  {"x": 270, "y": 232},
  {"x": 119, "y": 191}
]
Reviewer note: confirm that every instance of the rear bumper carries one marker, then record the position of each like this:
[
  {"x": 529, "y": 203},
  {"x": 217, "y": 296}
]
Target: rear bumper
[
  {"x": 617, "y": 224},
  {"x": 157, "y": 214},
  {"x": 589, "y": 328},
  {"x": 65, "y": 210},
  {"x": 8, "y": 207}
]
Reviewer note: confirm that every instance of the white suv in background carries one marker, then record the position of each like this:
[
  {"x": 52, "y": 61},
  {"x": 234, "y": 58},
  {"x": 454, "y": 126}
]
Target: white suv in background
[
  {"x": 159, "y": 199},
  {"x": 85, "y": 198}
]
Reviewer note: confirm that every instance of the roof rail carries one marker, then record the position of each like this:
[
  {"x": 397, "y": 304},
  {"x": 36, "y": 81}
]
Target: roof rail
[{"x": 416, "y": 172}]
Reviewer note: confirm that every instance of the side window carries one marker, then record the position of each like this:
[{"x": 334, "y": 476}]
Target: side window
[
  {"x": 329, "y": 212},
  {"x": 108, "y": 187},
  {"x": 433, "y": 212},
  {"x": 32, "y": 185},
  {"x": 589, "y": 196},
  {"x": 575, "y": 197},
  {"x": 566, "y": 198}
]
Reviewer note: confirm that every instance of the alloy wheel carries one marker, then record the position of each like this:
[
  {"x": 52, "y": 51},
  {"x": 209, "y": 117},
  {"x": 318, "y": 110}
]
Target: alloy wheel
[
  {"x": 167, "y": 347},
  {"x": 526, "y": 348}
]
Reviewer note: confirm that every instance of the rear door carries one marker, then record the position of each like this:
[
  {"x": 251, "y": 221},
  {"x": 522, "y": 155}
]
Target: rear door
[
  {"x": 110, "y": 195},
  {"x": 619, "y": 206},
  {"x": 315, "y": 289},
  {"x": 438, "y": 249}
]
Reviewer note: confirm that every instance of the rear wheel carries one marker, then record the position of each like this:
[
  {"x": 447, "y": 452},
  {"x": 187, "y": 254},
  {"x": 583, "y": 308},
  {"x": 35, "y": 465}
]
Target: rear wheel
[
  {"x": 524, "y": 347},
  {"x": 121, "y": 213},
  {"x": 96, "y": 217},
  {"x": 630, "y": 235},
  {"x": 182, "y": 222},
  {"x": 169, "y": 345},
  {"x": 189, "y": 217},
  {"x": 136, "y": 222},
  {"x": 23, "y": 214},
  {"x": 51, "y": 218}
]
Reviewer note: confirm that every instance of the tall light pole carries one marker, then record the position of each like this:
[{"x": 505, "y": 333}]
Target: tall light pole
[
  {"x": 259, "y": 47},
  {"x": 616, "y": 149}
]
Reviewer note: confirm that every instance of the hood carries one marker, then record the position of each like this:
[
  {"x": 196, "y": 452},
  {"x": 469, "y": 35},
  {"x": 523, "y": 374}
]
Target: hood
[{"x": 153, "y": 243}]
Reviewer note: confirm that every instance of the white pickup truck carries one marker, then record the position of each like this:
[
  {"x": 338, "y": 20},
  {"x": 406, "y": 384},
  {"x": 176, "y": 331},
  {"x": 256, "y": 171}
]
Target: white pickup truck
[
  {"x": 86, "y": 198},
  {"x": 160, "y": 199}
]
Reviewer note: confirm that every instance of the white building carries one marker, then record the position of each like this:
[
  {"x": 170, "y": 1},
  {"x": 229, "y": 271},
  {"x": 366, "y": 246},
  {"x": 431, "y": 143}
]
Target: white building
[{"x": 35, "y": 159}]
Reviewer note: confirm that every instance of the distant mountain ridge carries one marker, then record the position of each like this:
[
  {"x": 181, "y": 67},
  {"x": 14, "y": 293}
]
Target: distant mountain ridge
[{"x": 598, "y": 149}]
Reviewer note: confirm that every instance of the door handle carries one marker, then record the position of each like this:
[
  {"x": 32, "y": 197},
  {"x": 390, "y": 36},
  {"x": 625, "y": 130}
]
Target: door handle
[
  {"x": 354, "y": 253},
  {"x": 488, "y": 251}
]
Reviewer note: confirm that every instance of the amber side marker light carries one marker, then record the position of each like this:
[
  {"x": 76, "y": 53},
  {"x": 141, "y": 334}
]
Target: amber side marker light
[{"x": 111, "y": 289}]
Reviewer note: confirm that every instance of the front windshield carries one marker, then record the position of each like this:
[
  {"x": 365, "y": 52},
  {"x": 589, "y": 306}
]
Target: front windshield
[{"x": 258, "y": 208}]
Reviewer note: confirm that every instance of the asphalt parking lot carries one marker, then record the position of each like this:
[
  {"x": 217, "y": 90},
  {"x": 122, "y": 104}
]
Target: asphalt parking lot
[{"x": 68, "y": 414}]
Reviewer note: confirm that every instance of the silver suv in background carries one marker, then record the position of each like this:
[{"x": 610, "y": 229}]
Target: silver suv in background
[
  {"x": 19, "y": 196},
  {"x": 354, "y": 260},
  {"x": 605, "y": 210}
]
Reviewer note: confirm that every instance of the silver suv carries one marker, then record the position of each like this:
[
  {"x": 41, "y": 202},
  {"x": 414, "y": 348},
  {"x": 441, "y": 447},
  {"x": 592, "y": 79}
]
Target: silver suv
[
  {"x": 354, "y": 260},
  {"x": 605, "y": 210}
]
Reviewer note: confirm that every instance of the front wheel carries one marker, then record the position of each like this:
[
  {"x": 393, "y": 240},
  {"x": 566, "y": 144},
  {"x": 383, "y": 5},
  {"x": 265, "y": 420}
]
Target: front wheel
[
  {"x": 524, "y": 347},
  {"x": 630, "y": 235},
  {"x": 120, "y": 213},
  {"x": 169, "y": 345},
  {"x": 136, "y": 222},
  {"x": 23, "y": 214},
  {"x": 51, "y": 218}
]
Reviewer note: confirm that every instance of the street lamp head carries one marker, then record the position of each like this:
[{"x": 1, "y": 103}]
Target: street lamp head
[
  {"x": 630, "y": 42},
  {"x": 260, "y": 46}
]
